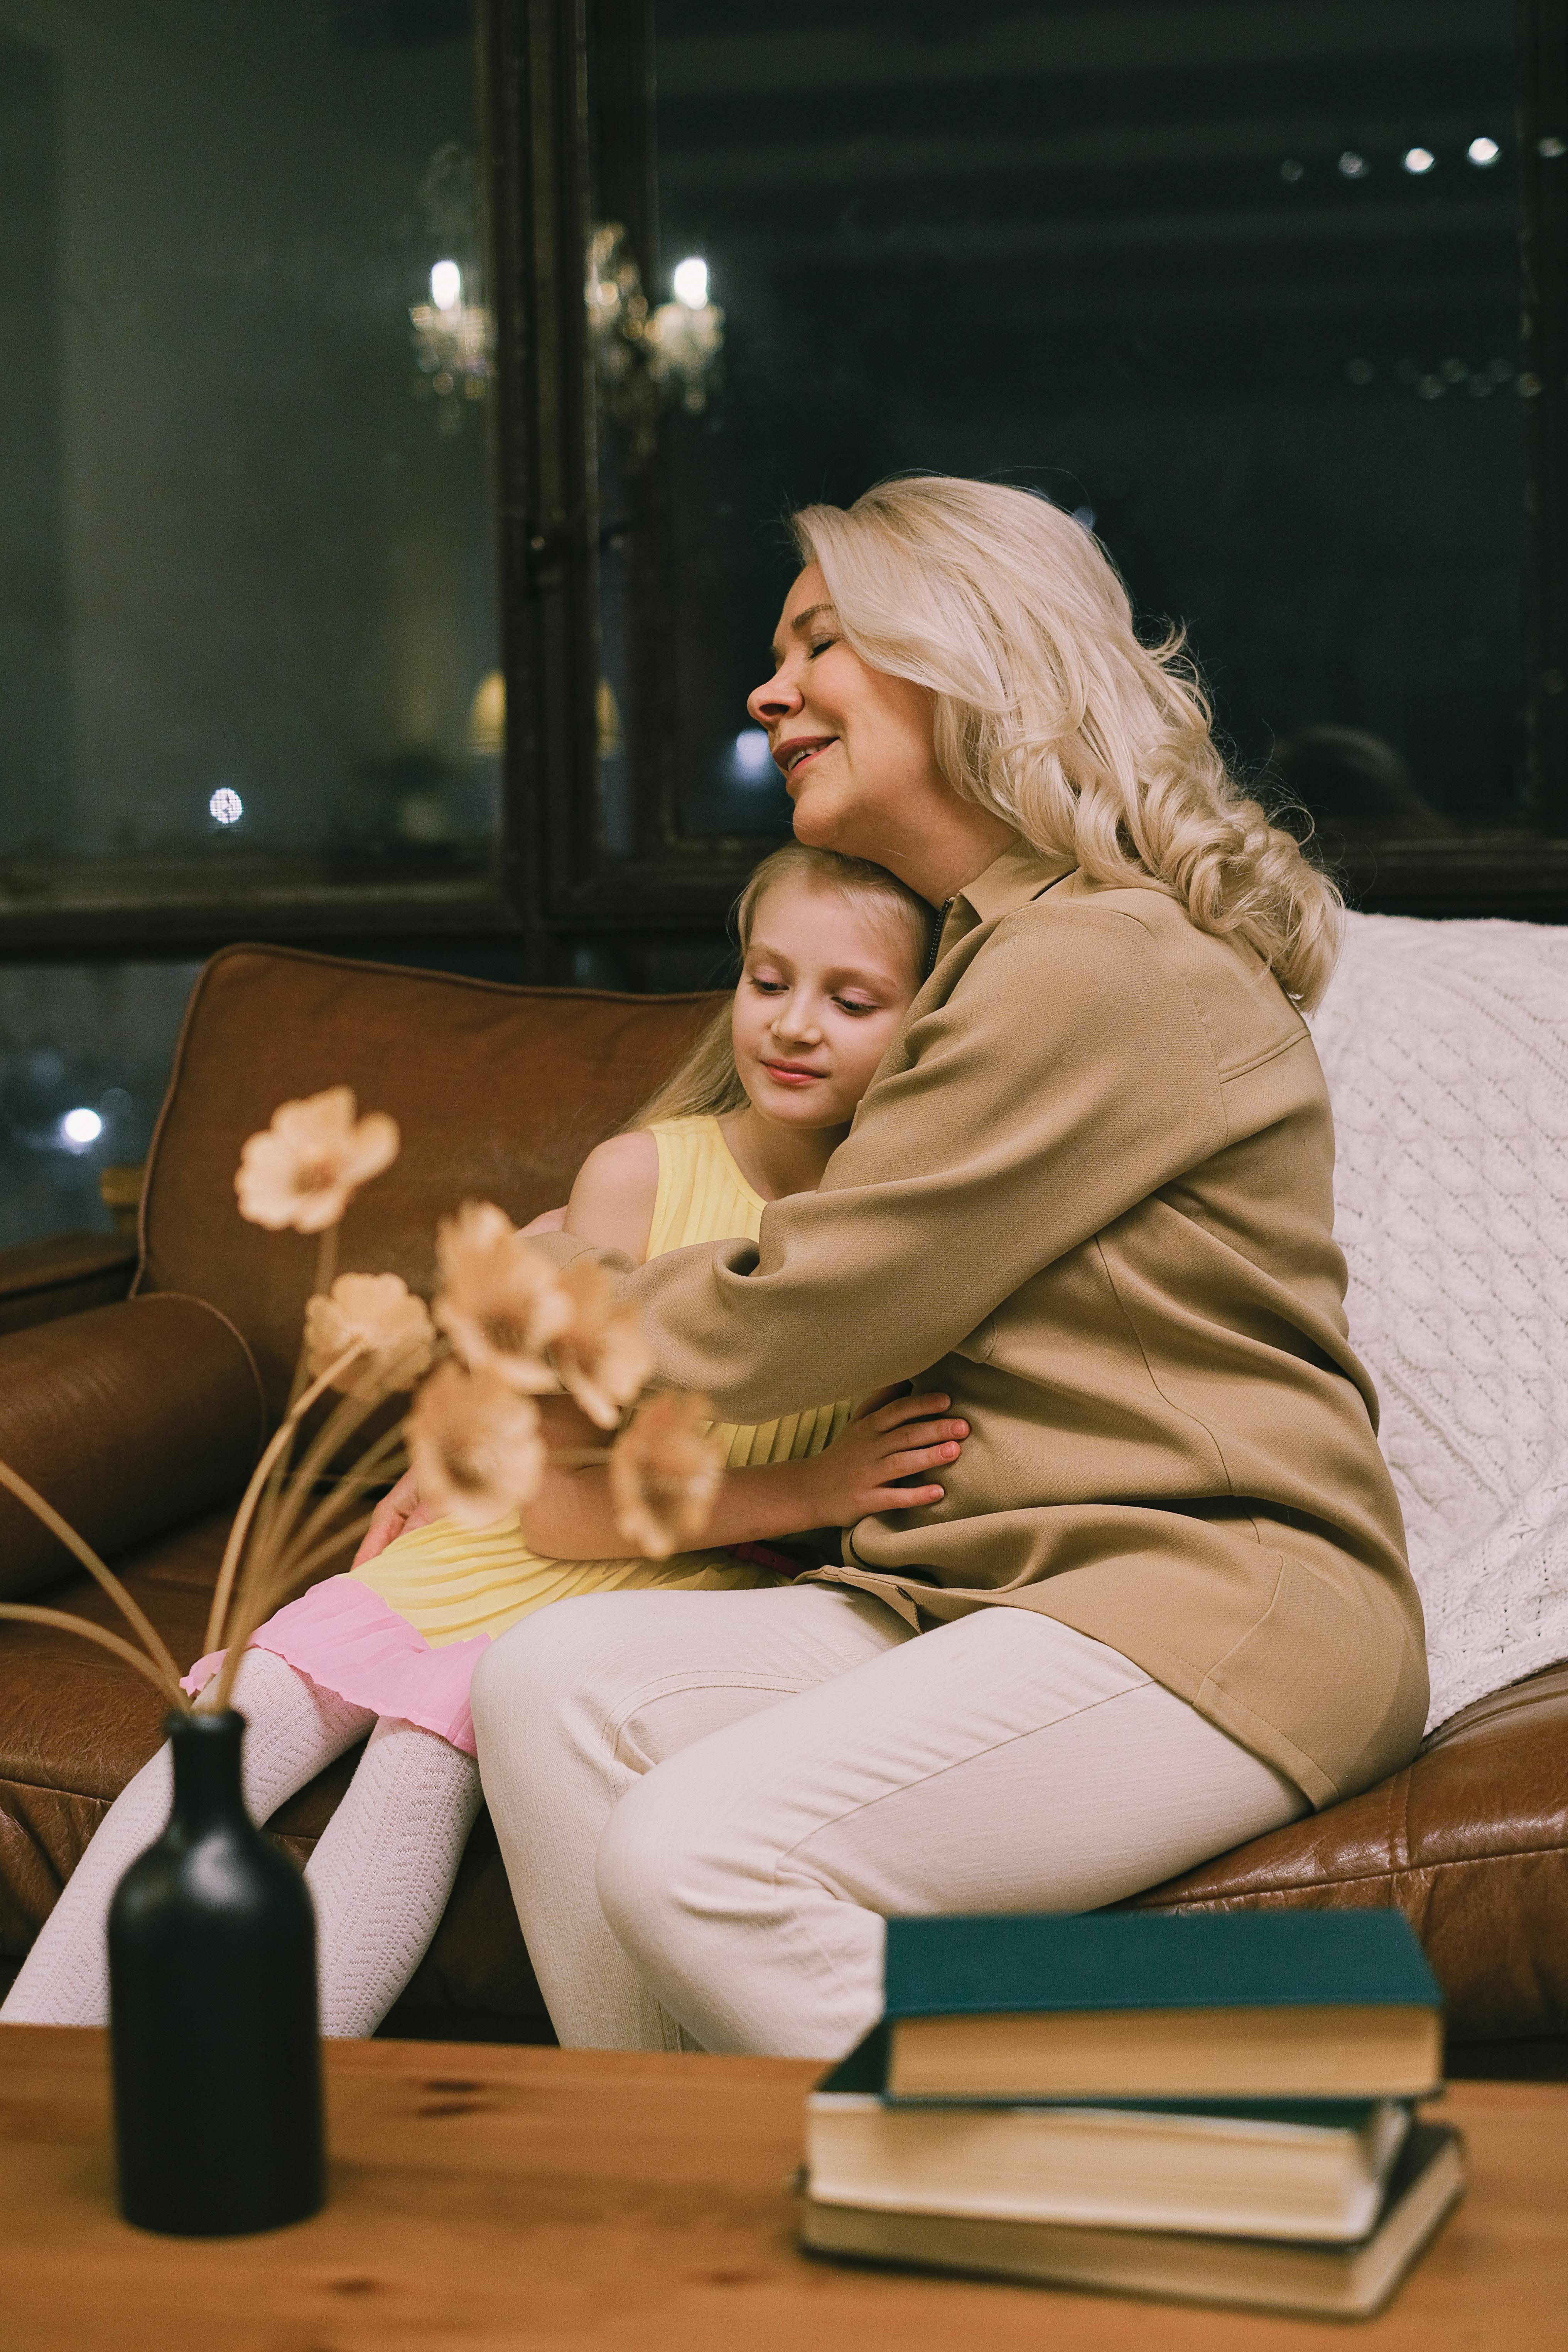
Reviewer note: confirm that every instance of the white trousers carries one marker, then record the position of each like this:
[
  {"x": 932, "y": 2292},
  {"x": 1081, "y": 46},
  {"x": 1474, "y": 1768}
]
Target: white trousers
[{"x": 709, "y": 1803}]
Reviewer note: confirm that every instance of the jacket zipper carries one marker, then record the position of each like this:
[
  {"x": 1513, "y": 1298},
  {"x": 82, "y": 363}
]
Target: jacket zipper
[{"x": 937, "y": 929}]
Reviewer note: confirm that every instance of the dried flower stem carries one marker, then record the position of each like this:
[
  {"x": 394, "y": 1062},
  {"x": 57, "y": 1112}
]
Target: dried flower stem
[
  {"x": 282, "y": 1438},
  {"x": 260, "y": 1602},
  {"x": 274, "y": 1525},
  {"x": 274, "y": 1572},
  {"x": 368, "y": 1471},
  {"x": 305, "y": 1563},
  {"x": 259, "y": 1599},
  {"x": 169, "y": 1684},
  {"x": 326, "y": 1267},
  {"x": 157, "y": 1649},
  {"x": 270, "y": 1573},
  {"x": 327, "y": 1258}
]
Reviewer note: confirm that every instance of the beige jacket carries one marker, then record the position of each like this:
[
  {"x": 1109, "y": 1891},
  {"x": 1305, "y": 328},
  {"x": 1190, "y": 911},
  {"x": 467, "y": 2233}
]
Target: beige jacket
[{"x": 1089, "y": 1193}]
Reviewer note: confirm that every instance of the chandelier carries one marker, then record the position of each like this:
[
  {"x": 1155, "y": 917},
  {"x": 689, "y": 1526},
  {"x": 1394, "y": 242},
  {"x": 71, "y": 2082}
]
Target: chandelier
[
  {"x": 454, "y": 331},
  {"x": 645, "y": 360}
]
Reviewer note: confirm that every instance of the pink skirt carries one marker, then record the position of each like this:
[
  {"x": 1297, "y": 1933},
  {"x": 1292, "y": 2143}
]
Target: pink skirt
[{"x": 343, "y": 1638}]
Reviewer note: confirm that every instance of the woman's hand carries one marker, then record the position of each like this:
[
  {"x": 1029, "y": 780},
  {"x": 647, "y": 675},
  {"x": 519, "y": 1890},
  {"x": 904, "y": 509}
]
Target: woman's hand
[
  {"x": 393, "y": 1517},
  {"x": 887, "y": 1441}
]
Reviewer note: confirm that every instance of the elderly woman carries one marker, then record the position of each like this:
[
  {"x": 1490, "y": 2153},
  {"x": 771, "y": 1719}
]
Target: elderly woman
[{"x": 1164, "y": 1606}]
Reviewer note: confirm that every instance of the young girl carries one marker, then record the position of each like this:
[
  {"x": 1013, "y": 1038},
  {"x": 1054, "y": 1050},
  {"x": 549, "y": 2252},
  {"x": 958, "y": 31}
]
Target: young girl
[{"x": 832, "y": 949}]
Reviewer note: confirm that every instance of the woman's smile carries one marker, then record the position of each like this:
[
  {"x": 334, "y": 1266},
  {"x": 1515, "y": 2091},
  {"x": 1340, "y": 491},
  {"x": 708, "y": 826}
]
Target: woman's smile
[
  {"x": 800, "y": 751},
  {"x": 792, "y": 1073}
]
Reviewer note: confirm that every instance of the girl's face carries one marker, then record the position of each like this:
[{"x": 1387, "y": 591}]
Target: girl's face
[
  {"x": 824, "y": 986},
  {"x": 853, "y": 744}
]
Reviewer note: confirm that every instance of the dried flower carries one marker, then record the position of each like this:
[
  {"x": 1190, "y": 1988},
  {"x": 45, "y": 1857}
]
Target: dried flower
[
  {"x": 474, "y": 1445},
  {"x": 500, "y": 1300},
  {"x": 665, "y": 1471},
  {"x": 305, "y": 1168},
  {"x": 601, "y": 1357},
  {"x": 380, "y": 1315}
]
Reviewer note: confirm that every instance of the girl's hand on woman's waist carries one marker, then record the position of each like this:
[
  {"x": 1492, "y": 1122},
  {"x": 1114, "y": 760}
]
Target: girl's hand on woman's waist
[{"x": 884, "y": 1461}]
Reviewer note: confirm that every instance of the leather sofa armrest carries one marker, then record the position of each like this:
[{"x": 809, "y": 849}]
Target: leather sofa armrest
[
  {"x": 68, "y": 1273},
  {"x": 127, "y": 1419}
]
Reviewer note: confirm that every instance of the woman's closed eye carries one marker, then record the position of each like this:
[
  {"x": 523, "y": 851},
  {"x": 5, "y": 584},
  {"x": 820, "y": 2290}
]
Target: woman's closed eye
[{"x": 855, "y": 1004}]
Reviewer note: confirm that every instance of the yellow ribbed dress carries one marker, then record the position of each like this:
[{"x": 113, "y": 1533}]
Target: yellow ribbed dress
[{"x": 403, "y": 1633}]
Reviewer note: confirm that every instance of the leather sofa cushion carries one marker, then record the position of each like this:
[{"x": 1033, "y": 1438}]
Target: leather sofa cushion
[
  {"x": 126, "y": 1419},
  {"x": 63, "y": 1274},
  {"x": 1470, "y": 1842},
  {"x": 499, "y": 1092}
]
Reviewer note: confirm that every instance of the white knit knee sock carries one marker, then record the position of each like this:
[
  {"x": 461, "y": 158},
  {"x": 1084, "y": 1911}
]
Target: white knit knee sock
[
  {"x": 293, "y": 1731},
  {"x": 383, "y": 1869}
]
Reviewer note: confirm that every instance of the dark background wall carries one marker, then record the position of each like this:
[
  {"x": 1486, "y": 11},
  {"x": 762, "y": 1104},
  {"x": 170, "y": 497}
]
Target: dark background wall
[{"x": 252, "y": 560}]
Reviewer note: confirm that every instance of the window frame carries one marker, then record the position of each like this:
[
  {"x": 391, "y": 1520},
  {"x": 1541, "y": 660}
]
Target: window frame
[
  {"x": 676, "y": 883},
  {"x": 558, "y": 890},
  {"x": 446, "y": 919}
]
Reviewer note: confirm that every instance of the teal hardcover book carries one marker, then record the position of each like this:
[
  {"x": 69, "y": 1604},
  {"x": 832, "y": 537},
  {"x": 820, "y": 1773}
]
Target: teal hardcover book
[
  {"x": 1100, "y": 1960},
  {"x": 1255, "y": 2005}
]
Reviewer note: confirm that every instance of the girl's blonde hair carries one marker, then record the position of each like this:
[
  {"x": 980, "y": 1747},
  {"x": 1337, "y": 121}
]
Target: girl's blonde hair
[
  {"x": 708, "y": 1081},
  {"x": 1051, "y": 713}
]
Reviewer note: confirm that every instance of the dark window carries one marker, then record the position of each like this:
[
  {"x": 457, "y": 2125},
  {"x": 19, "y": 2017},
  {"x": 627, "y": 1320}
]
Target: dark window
[
  {"x": 1237, "y": 286},
  {"x": 247, "y": 593}
]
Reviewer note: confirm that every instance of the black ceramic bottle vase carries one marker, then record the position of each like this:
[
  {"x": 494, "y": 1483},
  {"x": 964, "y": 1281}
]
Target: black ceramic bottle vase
[{"x": 213, "y": 2017}]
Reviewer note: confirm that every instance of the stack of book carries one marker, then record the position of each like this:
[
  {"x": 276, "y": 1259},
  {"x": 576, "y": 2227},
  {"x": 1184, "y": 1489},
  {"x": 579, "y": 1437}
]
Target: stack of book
[{"x": 1213, "y": 2107}]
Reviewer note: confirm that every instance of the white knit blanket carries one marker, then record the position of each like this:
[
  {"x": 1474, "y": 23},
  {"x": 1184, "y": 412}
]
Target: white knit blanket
[{"x": 1445, "y": 1047}]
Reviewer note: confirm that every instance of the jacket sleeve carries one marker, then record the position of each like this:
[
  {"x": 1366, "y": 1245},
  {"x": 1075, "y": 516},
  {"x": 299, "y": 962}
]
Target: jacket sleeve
[{"x": 1063, "y": 1076}]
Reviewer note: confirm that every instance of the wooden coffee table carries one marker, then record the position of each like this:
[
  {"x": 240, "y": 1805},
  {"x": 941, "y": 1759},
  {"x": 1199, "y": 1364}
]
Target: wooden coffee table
[{"x": 486, "y": 2196}]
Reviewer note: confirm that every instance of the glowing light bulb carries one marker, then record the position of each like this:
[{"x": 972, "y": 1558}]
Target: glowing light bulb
[
  {"x": 445, "y": 286},
  {"x": 81, "y": 1128},
  {"x": 691, "y": 281},
  {"x": 1483, "y": 153},
  {"x": 1419, "y": 160},
  {"x": 226, "y": 807}
]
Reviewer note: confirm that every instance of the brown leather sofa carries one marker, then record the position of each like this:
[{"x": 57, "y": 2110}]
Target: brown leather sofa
[{"x": 141, "y": 1418}]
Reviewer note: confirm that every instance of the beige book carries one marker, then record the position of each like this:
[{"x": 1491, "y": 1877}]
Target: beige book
[
  {"x": 1343, "y": 2281},
  {"x": 1351, "y": 2051},
  {"x": 1308, "y": 2173}
]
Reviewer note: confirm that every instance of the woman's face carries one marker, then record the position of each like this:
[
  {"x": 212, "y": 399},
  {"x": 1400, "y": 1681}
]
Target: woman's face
[
  {"x": 853, "y": 744},
  {"x": 826, "y": 982}
]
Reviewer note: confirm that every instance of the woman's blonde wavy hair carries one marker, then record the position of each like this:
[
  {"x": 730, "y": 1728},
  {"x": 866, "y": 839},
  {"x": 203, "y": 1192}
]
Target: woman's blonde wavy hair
[
  {"x": 708, "y": 1081},
  {"x": 1051, "y": 713}
]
